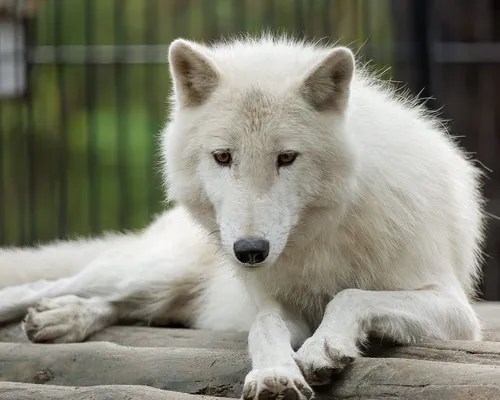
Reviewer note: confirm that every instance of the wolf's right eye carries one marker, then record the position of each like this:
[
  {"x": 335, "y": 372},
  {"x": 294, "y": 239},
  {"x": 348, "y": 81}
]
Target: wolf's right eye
[{"x": 222, "y": 158}]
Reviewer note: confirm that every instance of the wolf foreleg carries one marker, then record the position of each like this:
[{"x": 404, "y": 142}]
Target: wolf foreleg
[{"x": 403, "y": 316}]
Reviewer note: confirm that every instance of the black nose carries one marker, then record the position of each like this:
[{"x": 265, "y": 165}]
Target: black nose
[{"x": 251, "y": 250}]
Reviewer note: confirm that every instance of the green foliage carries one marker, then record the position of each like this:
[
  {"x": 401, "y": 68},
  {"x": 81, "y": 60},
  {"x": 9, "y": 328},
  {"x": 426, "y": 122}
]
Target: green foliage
[{"x": 79, "y": 156}]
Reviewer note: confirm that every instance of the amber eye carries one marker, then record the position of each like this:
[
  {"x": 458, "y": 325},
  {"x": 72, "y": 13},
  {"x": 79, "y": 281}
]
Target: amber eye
[
  {"x": 286, "y": 158},
  {"x": 222, "y": 157}
]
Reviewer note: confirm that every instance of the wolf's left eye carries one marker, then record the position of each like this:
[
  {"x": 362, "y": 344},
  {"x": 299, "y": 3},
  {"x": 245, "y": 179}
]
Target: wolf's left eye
[
  {"x": 222, "y": 157},
  {"x": 286, "y": 158}
]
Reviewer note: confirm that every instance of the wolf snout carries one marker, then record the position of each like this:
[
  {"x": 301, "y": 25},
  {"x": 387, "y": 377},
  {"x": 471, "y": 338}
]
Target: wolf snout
[{"x": 251, "y": 250}]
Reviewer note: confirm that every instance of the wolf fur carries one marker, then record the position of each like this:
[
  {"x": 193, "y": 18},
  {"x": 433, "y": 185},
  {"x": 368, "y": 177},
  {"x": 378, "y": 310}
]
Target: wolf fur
[{"x": 375, "y": 228}]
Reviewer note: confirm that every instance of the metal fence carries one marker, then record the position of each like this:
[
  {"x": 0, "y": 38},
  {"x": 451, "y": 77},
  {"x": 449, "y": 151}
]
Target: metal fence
[{"x": 86, "y": 94}]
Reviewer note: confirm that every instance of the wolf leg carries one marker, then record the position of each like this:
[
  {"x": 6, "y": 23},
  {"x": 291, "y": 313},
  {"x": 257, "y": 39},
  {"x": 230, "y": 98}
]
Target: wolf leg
[
  {"x": 403, "y": 316},
  {"x": 275, "y": 373}
]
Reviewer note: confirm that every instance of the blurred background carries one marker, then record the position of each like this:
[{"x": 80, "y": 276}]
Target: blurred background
[{"x": 83, "y": 87}]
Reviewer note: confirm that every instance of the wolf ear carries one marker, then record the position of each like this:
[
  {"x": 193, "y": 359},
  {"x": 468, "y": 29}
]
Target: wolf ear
[
  {"x": 327, "y": 84},
  {"x": 195, "y": 75}
]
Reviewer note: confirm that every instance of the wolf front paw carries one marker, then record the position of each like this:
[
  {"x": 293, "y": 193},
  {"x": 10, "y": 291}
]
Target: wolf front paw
[
  {"x": 320, "y": 360},
  {"x": 276, "y": 383}
]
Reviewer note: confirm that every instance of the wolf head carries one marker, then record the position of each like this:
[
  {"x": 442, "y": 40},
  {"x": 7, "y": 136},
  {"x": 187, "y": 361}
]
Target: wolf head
[{"x": 256, "y": 147}]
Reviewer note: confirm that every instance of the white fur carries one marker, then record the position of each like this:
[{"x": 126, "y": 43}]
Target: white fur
[{"x": 375, "y": 228}]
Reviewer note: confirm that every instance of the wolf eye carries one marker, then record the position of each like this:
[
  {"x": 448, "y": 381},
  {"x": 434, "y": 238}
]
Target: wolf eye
[
  {"x": 222, "y": 157},
  {"x": 286, "y": 158}
]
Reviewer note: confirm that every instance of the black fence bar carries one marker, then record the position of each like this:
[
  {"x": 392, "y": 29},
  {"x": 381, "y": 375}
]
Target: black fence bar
[
  {"x": 3, "y": 186},
  {"x": 423, "y": 40},
  {"x": 29, "y": 37},
  {"x": 24, "y": 188},
  {"x": 59, "y": 9}
]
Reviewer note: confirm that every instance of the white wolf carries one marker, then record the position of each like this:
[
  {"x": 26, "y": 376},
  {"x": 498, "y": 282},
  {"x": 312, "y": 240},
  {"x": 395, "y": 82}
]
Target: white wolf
[{"x": 315, "y": 206}]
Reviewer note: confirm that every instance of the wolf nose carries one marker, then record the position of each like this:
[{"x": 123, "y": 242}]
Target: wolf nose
[{"x": 251, "y": 250}]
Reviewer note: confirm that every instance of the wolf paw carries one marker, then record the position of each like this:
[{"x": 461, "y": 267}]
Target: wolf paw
[
  {"x": 320, "y": 362},
  {"x": 57, "y": 320},
  {"x": 276, "y": 383}
]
